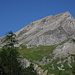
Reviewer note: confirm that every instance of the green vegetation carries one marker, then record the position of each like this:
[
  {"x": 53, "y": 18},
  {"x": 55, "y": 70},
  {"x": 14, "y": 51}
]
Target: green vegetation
[
  {"x": 37, "y": 53},
  {"x": 11, "y": 65},
  {"x": 52, "y": 68},
  {"x": 10, "y": 62}
]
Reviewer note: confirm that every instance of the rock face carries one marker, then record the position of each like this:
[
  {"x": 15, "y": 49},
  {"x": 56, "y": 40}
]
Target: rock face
[
  {"x": 48, "y": 31},
  {"x": 26, "y": 64},
  {"x": 64, "y": 50}
]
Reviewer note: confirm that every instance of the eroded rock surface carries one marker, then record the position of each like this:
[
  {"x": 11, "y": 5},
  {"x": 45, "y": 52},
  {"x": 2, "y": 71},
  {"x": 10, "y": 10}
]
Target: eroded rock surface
[{"x": 48, "y": 31}]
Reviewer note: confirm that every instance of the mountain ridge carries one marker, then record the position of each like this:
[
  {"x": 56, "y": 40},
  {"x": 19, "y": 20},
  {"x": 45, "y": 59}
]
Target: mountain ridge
[
  {"x": 54, "y": 37},
  {"x": 42, "y": 32},
  {"x": 47, "y": 31}
]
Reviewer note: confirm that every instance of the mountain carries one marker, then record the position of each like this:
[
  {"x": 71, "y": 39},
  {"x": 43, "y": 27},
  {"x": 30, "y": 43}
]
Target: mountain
[
  {"x": 48, "y": 31},
  {"x": 52, "y": 40},
  {"x": 49, "y": 41}
]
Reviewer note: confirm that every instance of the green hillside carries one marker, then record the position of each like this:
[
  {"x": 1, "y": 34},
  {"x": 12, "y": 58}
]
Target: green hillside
[{"x": 38, "y": 53}]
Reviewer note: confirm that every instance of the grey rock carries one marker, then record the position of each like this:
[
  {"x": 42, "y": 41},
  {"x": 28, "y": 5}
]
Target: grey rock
[
  {"x": 25, "y": 62},
  {"x": 64, "y": 50},
  {"x": 48, "y": 31}
]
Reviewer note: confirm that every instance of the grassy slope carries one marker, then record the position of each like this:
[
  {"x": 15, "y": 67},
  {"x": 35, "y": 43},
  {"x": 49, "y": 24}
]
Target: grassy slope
[{"x": 37, "y": 53}]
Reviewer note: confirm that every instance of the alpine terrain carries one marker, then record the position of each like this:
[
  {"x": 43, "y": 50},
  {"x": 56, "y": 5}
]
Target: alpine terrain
[{"x": 49, "y": 44}]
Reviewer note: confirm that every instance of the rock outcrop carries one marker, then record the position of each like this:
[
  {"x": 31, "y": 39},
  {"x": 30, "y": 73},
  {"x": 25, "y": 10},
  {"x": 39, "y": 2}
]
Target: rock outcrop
[
  {"x": 64, "y": 50},
  {"x": 26, "y": 64}
]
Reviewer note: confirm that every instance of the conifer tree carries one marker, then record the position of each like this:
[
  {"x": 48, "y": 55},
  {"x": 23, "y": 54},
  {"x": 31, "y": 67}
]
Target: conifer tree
[{"x": 9, "y": 59}]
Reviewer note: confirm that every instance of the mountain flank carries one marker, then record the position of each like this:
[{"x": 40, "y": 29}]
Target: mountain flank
[
  {"x": 48, "y": 31},
  {"x": 48, "y": 43}
]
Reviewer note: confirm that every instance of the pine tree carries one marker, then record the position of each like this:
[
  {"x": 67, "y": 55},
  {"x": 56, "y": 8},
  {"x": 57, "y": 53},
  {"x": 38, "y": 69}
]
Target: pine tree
[{"x": 9, "y": 59}]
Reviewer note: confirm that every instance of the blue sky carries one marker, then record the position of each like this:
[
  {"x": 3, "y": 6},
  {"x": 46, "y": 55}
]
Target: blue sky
[{"x": 16, "y": 14}]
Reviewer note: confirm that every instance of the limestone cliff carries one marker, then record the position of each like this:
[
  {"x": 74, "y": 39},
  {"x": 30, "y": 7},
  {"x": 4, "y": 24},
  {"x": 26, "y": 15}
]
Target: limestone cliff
[{"x": 48, "y": 31}]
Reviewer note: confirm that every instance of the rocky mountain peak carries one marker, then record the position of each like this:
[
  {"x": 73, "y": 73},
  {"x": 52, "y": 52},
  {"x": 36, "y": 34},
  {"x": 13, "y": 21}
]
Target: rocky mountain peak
[{"x": 48, "y": 31}]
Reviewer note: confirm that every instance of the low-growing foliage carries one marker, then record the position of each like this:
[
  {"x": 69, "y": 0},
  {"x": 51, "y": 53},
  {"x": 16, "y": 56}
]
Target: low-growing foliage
[{"x": 37, "y": 53}]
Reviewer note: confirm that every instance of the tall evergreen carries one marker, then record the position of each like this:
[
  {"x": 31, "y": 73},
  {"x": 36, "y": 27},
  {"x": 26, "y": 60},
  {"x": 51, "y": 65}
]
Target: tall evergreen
[{"x": 9, "y": 59}]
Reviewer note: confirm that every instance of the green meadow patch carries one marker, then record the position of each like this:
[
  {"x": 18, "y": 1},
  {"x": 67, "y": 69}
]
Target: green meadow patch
[{"x": 37, "y": 53}]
